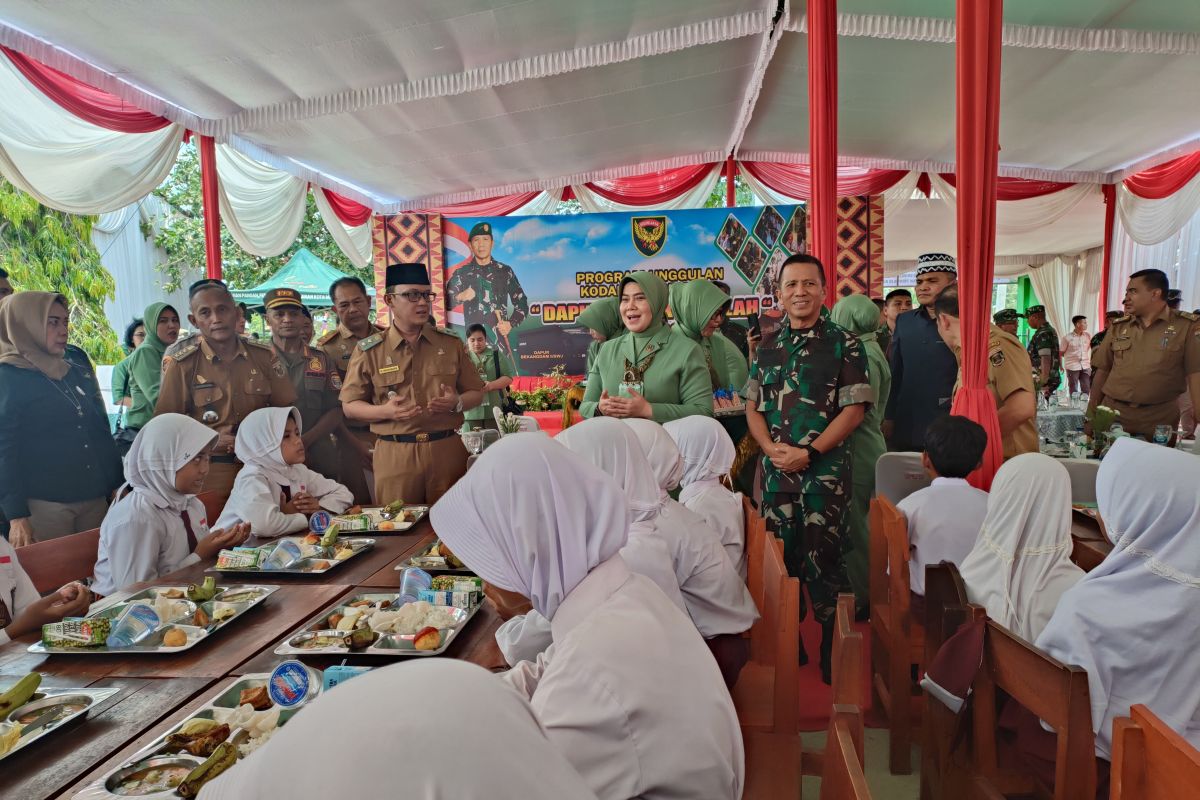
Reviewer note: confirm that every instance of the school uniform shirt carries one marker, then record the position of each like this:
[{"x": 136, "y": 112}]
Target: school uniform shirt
[
  {"x": 632, "y": 696},
  {"x": 16, "y": 589},
  {"x": 944, "y": 520},
  {"x": 142, "y": 538},
  {"x": 721, "y": 510}
]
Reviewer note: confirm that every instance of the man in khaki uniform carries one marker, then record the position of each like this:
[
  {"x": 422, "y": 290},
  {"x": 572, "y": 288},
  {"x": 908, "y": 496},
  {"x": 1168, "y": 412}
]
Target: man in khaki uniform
[
  {"x": 316, "y": 382},
  {"x": 1147, "y": 359},
  {"x": 412, "y": 383},
  {"x": 1010, "y": 377},
  {"x": 219, "y": 378},
  {"x": 355, "y": 440}
]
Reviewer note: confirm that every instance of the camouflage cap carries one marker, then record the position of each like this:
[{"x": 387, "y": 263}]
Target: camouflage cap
[
  {"x": 1029, "y": 312},
  {"x": 1006, "y": 315},
  {"x": 480, "y": 229}
]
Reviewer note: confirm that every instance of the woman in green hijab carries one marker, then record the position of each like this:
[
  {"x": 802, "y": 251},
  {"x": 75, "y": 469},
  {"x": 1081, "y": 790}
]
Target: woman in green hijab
[
  {"x": 649, "y": 372},
  {"x": 145, "y": 365},
  {"x": 699, "y": 308},
  {"x": 859, "y": 315},
  {"x": 603, "y": 320}
]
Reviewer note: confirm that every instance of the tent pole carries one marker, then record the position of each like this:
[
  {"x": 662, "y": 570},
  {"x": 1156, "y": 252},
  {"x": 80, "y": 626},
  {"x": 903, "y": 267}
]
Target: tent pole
[
  {"x": 730, "y": 194},
  {"x": 212, "y": 210},
  {"x": 822, "y": 136},
  {"x": 977, "y": 111},
  {"x": 1110, "y": 220}
]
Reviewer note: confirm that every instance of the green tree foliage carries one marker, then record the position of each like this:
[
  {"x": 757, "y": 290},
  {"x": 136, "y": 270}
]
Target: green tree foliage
[
  {"x": 52, "y": 251},
  {"x": 182, "y": 236}
]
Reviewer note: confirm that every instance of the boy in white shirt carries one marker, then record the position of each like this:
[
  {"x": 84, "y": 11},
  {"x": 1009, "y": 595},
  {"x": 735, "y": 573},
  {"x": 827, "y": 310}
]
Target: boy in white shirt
[{"x": 945, "y": 517}]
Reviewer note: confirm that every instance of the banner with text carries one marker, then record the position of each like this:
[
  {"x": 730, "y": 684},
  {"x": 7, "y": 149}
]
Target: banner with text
[{"x": 525, "y": 279}]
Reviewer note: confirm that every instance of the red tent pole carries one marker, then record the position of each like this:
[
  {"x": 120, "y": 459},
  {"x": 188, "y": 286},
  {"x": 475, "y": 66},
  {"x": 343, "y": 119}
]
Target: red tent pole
[
  {"x": 822, "y": 136},
  {"x": 730, "y": 194},
  {"x": 1110, "y": 220},
  {"x": 212, "y": 210},
  {"x": 977, "y": 61}
]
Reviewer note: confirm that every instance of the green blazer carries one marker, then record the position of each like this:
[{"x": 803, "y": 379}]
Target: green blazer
[{"x": 676, "y": 383}]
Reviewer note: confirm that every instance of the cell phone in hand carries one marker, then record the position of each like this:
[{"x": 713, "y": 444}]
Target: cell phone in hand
[{"x": 754, "y": 326}]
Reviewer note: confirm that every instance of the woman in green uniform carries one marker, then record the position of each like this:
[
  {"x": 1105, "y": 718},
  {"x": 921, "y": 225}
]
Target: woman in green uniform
[
  {"x": 859, "y": 315},
  {"x": 699, "y": 309},
  {"x": 496, "y": 373},
  {"x": 145, "y": 365},
  {"x": 649, "y": 372},
  {"x": 603, "y": 320}
]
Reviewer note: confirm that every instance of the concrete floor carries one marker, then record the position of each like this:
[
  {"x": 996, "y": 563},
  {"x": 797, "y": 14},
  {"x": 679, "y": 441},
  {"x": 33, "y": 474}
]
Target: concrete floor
[{"x": 884, "y": 785}]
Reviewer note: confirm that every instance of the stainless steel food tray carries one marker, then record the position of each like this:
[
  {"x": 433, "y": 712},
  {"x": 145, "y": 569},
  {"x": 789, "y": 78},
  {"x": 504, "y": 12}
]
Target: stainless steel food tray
[{"x": 304, "y": 565}]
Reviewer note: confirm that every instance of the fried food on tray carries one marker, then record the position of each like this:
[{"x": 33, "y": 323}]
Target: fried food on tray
[{"x": 257, "y": 698}]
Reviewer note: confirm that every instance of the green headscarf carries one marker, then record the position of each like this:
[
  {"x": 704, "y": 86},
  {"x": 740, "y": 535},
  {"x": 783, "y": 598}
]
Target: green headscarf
[
  {"x": 604, "y": 316},
  {"x": 858, "y": 314},
  {"x": 693, "y": 305},
  {"x": 153, "y": 312},
  {"x": 657, "y": 295},
  {"x": 145, "y": 368}
]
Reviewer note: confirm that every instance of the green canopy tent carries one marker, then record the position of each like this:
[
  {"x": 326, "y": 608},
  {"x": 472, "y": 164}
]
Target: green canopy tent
[{"x": 303, "y": 272}]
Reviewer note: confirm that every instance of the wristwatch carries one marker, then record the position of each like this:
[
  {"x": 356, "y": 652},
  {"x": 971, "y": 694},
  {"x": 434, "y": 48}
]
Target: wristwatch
[{"x": 812, "y": 451}]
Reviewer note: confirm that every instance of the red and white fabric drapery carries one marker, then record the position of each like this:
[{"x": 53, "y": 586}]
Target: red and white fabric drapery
[{"x": 1156, "y": 203}]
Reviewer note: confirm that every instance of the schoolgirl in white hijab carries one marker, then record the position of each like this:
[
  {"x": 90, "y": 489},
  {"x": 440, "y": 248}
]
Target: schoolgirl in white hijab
[
  {"x": 628, "y": 691},
  {"x": 1021, "y": 563},
  {"x": 275, "y": 492},
  {"x": 708, "y": 455},
  {"x": 716, "y": 598},
  {"x": 157, "y": 525},
  {"x": 1134, "y": 621},
  {"x": 499, "y": 748}
]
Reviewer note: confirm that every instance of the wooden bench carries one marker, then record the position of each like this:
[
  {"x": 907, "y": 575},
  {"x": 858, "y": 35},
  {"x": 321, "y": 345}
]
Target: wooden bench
[
  {"x": 897, "y": 641},
  {"x": 1150, "y": 761},
  {"x": 842, "y": 775},
  {"x": 849, "y": 676},
  {"x": 55, "y": 562},
  {"x": 1056, "y": 693}
]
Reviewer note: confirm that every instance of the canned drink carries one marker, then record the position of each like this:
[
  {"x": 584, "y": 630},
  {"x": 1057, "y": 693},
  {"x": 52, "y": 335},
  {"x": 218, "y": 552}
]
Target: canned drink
[
  {"x": 292, "y": 684},
  {"x": 320, "y": 522}
]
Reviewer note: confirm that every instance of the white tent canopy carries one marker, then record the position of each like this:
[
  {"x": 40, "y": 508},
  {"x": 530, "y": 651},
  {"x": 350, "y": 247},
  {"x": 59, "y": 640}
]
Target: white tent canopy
[{"x": 410, "y": 105}]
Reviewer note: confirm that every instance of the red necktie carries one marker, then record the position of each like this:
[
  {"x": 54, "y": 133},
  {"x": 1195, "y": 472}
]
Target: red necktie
[{"x": 187, "y": 526}]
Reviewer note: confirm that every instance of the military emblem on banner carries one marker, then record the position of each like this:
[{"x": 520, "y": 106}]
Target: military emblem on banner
[{"x": 649, "y": 234}]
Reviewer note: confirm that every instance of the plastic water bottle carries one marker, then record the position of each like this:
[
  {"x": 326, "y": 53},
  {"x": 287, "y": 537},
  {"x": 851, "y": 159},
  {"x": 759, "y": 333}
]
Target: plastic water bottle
[{"x": 413, "y": 581}]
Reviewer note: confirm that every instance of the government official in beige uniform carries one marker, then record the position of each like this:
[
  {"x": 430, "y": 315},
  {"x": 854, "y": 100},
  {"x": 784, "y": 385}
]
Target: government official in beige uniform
[
  {"x": 1147, "y": 359},
  {"x": 1010, "y": 376},
  {"x": 412, "y": 383},
  {"x": 352, "y": 307},
  {"x": 219, "y": 378}
]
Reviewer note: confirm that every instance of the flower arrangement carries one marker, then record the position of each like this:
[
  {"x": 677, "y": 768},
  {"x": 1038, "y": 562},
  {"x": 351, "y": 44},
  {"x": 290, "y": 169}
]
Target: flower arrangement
[
  {"x": 549, "y": 397},
  {"x": 509, "y": 423}
]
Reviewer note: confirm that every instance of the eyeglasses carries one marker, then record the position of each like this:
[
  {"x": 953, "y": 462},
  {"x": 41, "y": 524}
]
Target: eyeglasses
[{"x": 413, "y": 296}]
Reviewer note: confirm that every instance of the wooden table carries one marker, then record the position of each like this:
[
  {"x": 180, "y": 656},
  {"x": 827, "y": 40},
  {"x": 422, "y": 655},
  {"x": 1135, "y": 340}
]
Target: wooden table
[
  {"x": 214, "y": 658},
  {"x": 475, "y": 643},
  {"x": 45, "y": 768},
  {"x": 1090, "y": 544}
]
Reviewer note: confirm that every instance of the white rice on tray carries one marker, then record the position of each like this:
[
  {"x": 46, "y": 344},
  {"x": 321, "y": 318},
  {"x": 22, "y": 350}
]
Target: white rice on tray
[{"x": 411, "y": 618}]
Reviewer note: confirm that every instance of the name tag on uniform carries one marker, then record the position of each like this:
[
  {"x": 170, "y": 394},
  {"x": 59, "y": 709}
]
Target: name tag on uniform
[{"x": 387, "y": 369}]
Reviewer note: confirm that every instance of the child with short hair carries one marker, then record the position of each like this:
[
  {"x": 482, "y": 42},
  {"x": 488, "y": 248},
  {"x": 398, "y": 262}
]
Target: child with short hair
[
  {"x": 944, "y": 518},
  {"x": 157, "y": 525},
  {"x": 275, "y": 492}
]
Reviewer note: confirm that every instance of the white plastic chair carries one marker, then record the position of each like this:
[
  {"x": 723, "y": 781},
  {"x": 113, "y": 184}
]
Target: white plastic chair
[
  {"x": 897, "y": 475},
  {"x": 1083, "y": 478}
]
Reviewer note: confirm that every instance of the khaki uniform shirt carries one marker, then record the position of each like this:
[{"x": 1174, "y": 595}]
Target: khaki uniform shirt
[
  {"x": 1009, "y": 370},
  {"x": 195, "y": 380},
  {"x": 315, "y": 380},
  {"x": 339, "y": 345},
  {"x": 1149, "y": 365},
  {"x": 386, "y": 362}
]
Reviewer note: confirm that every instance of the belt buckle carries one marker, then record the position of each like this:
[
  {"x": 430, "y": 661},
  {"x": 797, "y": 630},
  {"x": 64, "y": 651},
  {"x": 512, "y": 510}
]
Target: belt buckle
[{"x": 422, "y": 437}]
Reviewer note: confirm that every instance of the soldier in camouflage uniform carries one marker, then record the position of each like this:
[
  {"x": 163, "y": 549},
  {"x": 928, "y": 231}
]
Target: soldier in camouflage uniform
[
  {"x": 1043, "y": 350},
  {"x": 486, "y": 288},
  {"x": 808, "y": 391},
  {"x": 1109, "y": 318}
]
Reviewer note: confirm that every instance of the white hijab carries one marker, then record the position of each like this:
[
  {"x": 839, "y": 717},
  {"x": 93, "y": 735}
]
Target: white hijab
[
  {"x": 707, "y": 453},
  {"x": 662, "y": 453},
  {"x": 1021, "y": 563},
  {"x": 259, "y": 442},
  {"x": 1133, "y": 622},
  {"x": 612, "y": 446},
  {"x": 162, "y": 447},
  {"x": 499, "y": 747},
  {"x": 534, "y": 518}
]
